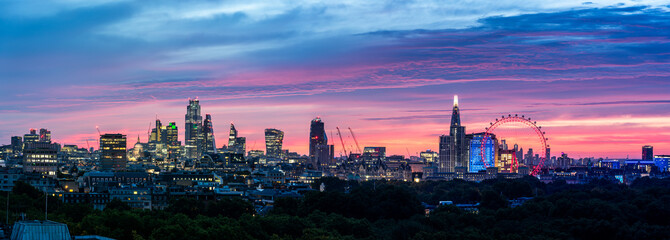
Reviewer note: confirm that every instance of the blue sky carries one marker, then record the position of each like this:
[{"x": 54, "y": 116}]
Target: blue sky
[{"x": 594, "y": 73}]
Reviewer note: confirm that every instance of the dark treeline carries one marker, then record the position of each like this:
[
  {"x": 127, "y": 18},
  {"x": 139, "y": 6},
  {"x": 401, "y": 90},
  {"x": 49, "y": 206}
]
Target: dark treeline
[{"x": 387, "y": 210}]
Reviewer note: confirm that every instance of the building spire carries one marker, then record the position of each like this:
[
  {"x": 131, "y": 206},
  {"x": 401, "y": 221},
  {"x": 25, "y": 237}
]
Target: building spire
[{"x": 455, "y": 114}]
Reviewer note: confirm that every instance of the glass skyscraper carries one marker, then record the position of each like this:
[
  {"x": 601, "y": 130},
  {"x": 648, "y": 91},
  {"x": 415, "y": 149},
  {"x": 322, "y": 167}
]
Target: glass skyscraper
[
  {"x": 453, "y": 147},
  {"x": 208, "y": 133},
  {"x": 236, "y": 144},
  {"x": 193, "y": 130},
  {"x": 273, "y": 142},
  {"x": 319, "y": 150},
  {"x": 476, "y": 163}
]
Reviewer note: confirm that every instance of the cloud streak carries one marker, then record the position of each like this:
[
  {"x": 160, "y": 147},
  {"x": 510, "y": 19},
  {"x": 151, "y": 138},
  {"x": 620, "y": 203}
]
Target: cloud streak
[{"x": 374, "y": 66}]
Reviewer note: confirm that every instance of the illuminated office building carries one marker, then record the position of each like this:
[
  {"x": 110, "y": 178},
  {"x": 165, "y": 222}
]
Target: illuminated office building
[
  {"x": 320, "y": 153},
  {"x": 507, "y": 162},
  {"x": 476, "y": 163},
  {"x": 208, "y": 133},
  {"x": 113, "y": 152},
  {"x": 236, "y": 143},
  {"x": 662, "y": 162},
  {"x": 274, "y": 139},
  {"x": 30, "y": 137},
  {"x": 17, "y": 144},
  {"x": 41, "y": 157},
  {"x": 373, "y": 156},
  {"x": 429, "y": 156},
  {"x": 172, "y": 140},
  {"x": 45, "y": 135},
  {"x": 648, "y": 153},
  {"x": 193, "y": 130},
  {"x": 453, "y": 147}
]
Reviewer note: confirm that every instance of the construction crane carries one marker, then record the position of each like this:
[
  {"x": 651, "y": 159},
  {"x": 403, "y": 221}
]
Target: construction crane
[
  {"x": 98, "y": 128},
  {"x": 342, "y": 141},
  {"x": 354, "y": 137}
]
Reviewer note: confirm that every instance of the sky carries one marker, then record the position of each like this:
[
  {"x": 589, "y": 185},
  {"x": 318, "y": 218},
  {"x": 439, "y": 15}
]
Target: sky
[{"x": 595, "y": 75}]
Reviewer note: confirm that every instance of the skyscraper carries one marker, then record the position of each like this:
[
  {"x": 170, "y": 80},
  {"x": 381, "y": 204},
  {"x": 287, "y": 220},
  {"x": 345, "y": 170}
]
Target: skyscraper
[
  {"x": 453, "y": 147},
  {"x": 236, "y": 144},
  {"x": 113, "y": 152},
  {"x": 373, "y": 156},
  {"x": 530, "y": 158},
  {"x": 476, "y": 163},
  {"x": 519, "y": 154},
  {"x": 172, "y": 140},
  {"x": 317, "y": 136},
  {"x": 193, "y": 129},
  {"x": 45, "y": 135},
  {"x": 547, "y": 156},
  {"x": 30, "y": 137},
  {"x": 319, "y": 150},
  {"x": 208, "y": 133},
  {"x": 17, "y": 144},
  {"x": 648, "y": 153},
  {"x": 273, "y": 142},
  {"x": 41, "y": 157},
  {"x": 156, "y": 133},
  {"x": 232, "y": 136}
]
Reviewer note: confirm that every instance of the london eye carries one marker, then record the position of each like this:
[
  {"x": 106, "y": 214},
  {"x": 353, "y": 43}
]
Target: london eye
[{"x": 535, "y": 135}]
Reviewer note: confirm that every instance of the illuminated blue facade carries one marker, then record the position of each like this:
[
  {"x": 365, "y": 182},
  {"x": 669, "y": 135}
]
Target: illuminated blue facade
[
  {"x": 475, "y": 161},
  {"x": 662, "y": 162}
]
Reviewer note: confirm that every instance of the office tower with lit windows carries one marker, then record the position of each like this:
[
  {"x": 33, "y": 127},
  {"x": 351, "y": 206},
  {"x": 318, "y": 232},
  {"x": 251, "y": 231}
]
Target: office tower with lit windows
[
  {"x": 453, "y": 147},
  {"x": 17, "y": 144},
  {"x": 113, "y": 152},
  {"x": 648, "y": 153},
  {"x": 236, "y": 144},
  {"x": 208, "y": 133},
  {"x": 240, "y": 145},
  {"x": 45, "y": 135},
  {"x": 529, "y": 158},
  {"x": 193, "y": 130},
  {"x": 30, "y": 137},
  {"x": 429, "y": 156},
  {"x": 156, "y": 133},
  {"x": 476, "y": 162},
  {"x": 232, "y": 136},
  {"x": 547, "y": 156},
  {"x": 172, "y": 140},
  {"x": 507, "y": 162},
  {"x": 373, "y": 156},
  {"x": 274, "y": 139},
  {"x": 41, "y": 157},
  {"x": 317, "y": 136},
  {"x": 319, "y": 150}
]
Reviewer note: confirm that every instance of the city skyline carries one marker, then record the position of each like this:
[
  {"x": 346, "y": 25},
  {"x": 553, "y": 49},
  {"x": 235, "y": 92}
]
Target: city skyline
[{"x": 594, "y": 75}]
